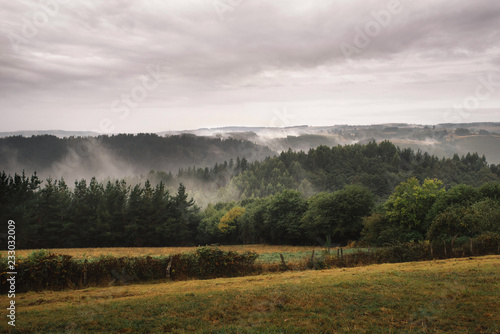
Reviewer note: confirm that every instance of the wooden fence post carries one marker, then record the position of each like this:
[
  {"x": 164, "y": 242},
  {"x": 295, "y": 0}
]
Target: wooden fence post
[
  {"x": 169, "y": 266},
  {"x": 283, "y": 263},
  {"x": 85, "y": 272}
]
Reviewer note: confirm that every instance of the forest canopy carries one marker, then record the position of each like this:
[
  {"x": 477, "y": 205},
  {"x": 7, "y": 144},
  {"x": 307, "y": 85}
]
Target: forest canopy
[{"x": 377, "y": 193}]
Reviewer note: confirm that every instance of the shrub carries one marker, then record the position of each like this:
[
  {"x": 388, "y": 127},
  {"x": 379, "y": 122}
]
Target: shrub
[
  {"x": 212, "y": 262},
  {"x": 42, "y": 270},
  {"x": 487, "y": 243}
]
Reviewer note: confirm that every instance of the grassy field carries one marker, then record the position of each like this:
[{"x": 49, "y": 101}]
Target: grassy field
[
  {"x": 446, "y": 296},
  {"x": 267, "y": 253},
  {"x": 159, "y": 251}
]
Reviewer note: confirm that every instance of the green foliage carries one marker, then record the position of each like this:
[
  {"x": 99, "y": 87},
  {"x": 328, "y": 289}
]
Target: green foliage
[
  {"x": 460, "y": 195},
  {"x": 252, "y": 229},
  {"x": 375, "y": 166},
  {"x": 142, "y": 152},
  {"x": 490, "y": 190},
  {"x": 272, "y": 192},
  {"x": 466, "y": 220},
  {"x": 18, "y": 201},
  {"x": 228, "y": 223},
  {"x": 414, "y": 212},
  {"x": 208, "y": 230},
  {"x": 282, "y": 219},
  {"x": 212, "y": 262},
  {"x": 338, "y": 214},
  {"x": 487, "y": 243},
  {"x": 95, "y": 214},
  {"x": 410, "y": 202},
  {"x": 378, "y": 231},
  {"x": 42, "y": 270}
]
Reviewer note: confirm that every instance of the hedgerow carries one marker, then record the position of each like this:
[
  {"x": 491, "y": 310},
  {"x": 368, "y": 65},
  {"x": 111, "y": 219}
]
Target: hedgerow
[{"x": 42, "y": 270}]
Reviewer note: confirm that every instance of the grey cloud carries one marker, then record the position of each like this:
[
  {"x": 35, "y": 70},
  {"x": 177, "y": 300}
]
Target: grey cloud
[
  {"x": 98, "y": 50},
  {"x": 260, "y": 35}
]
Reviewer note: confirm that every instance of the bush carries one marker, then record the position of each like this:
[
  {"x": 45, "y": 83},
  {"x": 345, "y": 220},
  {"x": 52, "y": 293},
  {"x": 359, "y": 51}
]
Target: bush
[
  {"x": 466, "y": 221},
  {"x": 211, "y": 262},
  {"x": 42, "y": 270},
  {"x": 487, "y": 243}
]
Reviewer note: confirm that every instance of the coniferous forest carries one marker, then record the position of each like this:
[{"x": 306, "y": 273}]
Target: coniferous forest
[{"x": 375, "y": 194}]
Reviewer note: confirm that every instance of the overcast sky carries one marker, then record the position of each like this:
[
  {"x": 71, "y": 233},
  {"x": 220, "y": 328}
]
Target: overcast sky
[{"x": 148, "y": 66}]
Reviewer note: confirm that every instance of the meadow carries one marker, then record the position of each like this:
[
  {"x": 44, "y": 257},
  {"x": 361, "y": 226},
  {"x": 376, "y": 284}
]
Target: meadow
[
  {"x": 267, "y": 253},
  {"x": 441, "y": 296}
]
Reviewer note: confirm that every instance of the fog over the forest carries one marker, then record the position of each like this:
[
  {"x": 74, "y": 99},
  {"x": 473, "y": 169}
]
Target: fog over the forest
[{"x": 86, "y": 157}]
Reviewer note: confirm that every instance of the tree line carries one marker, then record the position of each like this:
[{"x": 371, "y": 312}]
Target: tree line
[
  {"x": 345, "y": 193},
  {"x": 380, "y": 167},
  {"x": 139, "y": 153},
  {"x": 96, "y": 214},
  {"x": 113, "y": 214},
  {"x": 418, "y": 211}
]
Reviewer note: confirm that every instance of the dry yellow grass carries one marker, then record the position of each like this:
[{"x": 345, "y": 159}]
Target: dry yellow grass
[
  {"x": 35, "y": 301},
  {"x": 159, "y": 251}
]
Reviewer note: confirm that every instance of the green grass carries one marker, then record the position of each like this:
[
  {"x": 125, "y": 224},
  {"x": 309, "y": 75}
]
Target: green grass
[
  {"x": 449, "y": 296},
  {"x": 294, "y": 257}
]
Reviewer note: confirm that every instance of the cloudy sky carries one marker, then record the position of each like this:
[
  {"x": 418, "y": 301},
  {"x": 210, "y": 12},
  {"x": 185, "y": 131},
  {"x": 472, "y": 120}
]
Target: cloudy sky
[{"x": 147, "y": 66}]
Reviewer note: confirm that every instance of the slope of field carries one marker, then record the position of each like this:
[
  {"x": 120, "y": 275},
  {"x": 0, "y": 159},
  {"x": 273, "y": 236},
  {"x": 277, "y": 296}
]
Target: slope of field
[{"x": 452, "y": 296}]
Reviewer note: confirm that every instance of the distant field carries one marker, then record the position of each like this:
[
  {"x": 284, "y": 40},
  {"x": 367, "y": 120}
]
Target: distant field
[
  {"x": 446, "y": 296},
  {"x": 290, "y": 252}
]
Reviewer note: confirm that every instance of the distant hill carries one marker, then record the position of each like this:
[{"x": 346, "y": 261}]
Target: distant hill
[
  {"x": 84, "y": 154},
  {"x": 56, "y": 133},
  {"x": 442, "y": 140},
  {"x": 119, "y": 155}
]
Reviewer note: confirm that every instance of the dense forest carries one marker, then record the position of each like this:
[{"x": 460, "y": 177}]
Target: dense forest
[
  {"x": 123, "y": 154},
  {"x": 375, "y": 193},
  {"x": 378, "y": 167}
]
